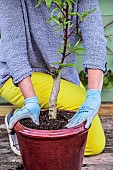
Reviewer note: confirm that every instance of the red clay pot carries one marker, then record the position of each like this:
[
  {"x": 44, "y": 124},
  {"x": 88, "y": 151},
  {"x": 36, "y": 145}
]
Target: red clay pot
[{"x": 52, "y": 149}]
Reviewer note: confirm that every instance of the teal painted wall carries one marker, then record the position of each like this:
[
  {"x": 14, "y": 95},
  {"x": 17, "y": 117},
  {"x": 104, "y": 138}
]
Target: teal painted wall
[
  {"x": 106, "y": 7},
  {"x": 107, "y": 16}
]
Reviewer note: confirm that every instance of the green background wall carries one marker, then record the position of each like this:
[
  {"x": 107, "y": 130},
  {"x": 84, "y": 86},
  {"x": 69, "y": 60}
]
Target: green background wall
[
  {"x": 106, "y": 7},
  {"x": 107, "y": 16}
]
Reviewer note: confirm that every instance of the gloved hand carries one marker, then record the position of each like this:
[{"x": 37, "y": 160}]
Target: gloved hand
[
  {"x": 31, "y": 110},
  {"x": 88, "y": 110}
]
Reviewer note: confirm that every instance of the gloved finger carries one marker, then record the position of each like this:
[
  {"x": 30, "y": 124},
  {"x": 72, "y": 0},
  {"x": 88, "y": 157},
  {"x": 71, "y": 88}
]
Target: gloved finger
[
  {"x": 73, "y": 122},
  {"x": 16, "y": 117},
  {"x": 88, "y": 123},
  {"x": 74, "y": 117},
  {"x": 35, "y": 119},
  {"x": 81, "y": 120},
  {"x": 70, "y": 124},
  {"x": 76, "y": 122},
  {"x": 94, "y": 113},
  {"x": 90, "y": 119}
]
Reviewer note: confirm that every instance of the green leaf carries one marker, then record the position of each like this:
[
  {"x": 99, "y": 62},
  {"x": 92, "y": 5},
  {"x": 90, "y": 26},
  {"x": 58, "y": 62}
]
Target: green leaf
[
  {"x": 69, "y": 2},
  {"x": 109, "y": 72},
  {"x": 77, "y": 43},
  {"x": 82, "y": 74},
  {"x": 106, "y": 80},
  {"x": 60, "y": 50},
  {"x": 48, "y": 3},
  {"x": 39, "y": 2},
  {"x": 80, "y": 49},
  {"x": 54, "y": 10},
  {"x": 75, "y": 14},
  {"x": 60, "y": 64},
  {"x": 58, "y": 2},
  {"x": 109, "y": 85},
  {"x": 111, "y": 79},
  {"x": 68, "y": 46},
  {"x": 73, "y": 1},
  {"x": 83, "y": 78},
  {"x": 91, "y": 11},
  {"x": 69, "y": 65},
  {"x": 57, "y": 63},
  {"x": 84, "y": 14},
  {"x": 70, "y": 26},
  {"x": 65, "y": 65}
]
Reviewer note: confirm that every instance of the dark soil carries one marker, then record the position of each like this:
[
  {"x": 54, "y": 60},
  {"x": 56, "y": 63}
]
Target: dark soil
[{"x": 46, "y": 124}]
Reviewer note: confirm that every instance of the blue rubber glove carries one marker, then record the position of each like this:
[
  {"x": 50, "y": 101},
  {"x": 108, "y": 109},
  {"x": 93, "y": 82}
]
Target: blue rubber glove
[
  {"x": 88, "y": 110},
  {"x": 31, "y": 110}
]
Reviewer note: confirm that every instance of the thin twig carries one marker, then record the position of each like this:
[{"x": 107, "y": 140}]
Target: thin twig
[
  {"x": 65, "y": 36},
  {"x": 108, "y": 24},
  {"x": 61, "y": 10},
  {"x": 73, "y": 31}
]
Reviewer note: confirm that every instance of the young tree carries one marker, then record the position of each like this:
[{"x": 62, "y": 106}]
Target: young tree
[{"x": 60, "y": 19}]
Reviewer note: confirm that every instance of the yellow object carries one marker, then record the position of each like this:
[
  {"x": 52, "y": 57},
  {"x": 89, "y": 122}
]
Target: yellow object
[{"x": 71, "y": 97}]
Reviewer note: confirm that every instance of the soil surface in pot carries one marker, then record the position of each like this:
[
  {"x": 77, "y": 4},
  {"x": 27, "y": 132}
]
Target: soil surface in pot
[{"x": 46, "y": 124}]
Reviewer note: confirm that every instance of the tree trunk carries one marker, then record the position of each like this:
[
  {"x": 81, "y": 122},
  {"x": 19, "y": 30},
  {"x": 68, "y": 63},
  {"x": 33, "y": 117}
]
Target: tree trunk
[{"x": 54, "y": 96}]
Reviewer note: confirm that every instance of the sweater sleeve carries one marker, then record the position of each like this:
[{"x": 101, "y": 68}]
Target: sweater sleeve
[
  {"x": 13, "y": 38},
  {"x": 93, "y": 36}
]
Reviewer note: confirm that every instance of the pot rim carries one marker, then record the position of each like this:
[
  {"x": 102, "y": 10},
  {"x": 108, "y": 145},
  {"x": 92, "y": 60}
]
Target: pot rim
[{"x": 28, "y": 132}]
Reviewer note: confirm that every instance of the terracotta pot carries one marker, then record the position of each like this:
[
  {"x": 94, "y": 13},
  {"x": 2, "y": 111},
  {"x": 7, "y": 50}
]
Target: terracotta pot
[{"x": 52, "y": 149}]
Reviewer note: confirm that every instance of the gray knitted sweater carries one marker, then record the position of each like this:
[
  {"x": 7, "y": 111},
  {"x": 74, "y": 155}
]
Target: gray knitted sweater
[{"x": 28, "y": 43}]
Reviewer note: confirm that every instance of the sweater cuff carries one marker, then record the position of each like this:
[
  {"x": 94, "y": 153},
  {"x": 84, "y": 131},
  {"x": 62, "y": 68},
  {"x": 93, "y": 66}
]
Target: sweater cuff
[
  {"x": 91, "y": 66},
  {"x": 21, "y": 77}
]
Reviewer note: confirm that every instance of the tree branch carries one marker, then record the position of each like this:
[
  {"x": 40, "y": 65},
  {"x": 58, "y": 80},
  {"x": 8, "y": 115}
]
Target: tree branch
[{"x": 65, "y": 36}]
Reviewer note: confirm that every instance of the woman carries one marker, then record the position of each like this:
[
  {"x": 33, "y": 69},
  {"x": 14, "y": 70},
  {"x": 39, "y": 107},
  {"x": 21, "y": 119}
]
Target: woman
[{"x": 28, "y": 47}]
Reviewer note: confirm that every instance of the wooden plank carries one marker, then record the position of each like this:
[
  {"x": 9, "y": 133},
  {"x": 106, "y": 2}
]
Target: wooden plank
[
  {"x": 102, "y": 161},
  {"x": 106, "y": 109},
  {"x": 5, "y": 109}
]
